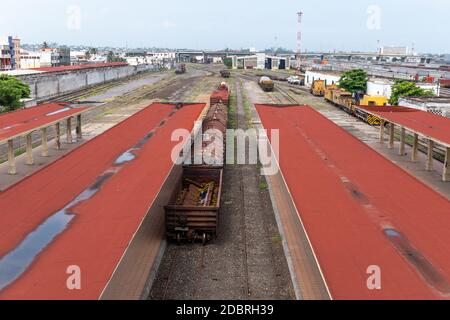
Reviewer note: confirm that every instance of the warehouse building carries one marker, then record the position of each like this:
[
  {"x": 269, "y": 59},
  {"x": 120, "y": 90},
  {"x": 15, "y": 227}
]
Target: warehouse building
[
  {"x": 330, "y": 77},
  {"x": 394, "y": 50},
  {"x": 30, "y": 60},
  {"x": 383, "y": 87},
  {"x": 436, "y": 105},
  {"x": 261, "y": 61},
  {"x": 9, "y": 53}
]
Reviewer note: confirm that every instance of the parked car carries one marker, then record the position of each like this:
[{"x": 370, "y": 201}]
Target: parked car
[{"x": 294, "y": 80}]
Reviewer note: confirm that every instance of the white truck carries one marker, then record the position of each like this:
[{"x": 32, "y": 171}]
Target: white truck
[{"x": 294, "y": 80}]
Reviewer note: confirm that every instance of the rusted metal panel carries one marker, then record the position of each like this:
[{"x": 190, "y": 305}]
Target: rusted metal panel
[{"x": 194, "y": 207}]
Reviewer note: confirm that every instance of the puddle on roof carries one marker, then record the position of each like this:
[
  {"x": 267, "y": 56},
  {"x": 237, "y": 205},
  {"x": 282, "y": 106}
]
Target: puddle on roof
[
  {"x": 58, "y": 111},
  {"x": 428, "y": 271},
  {"x": 15, "y": 263},
  {"x": 19, "y": 259}
]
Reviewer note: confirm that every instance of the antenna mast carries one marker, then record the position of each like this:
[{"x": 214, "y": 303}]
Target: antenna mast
[{"x": 299, "y": 40}]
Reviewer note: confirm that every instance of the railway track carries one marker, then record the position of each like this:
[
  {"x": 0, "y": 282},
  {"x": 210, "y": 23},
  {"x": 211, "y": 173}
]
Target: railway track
[
  {"x": 163, "y": 88},
  {"x": 237, "y": 264},
  {"x": 79, "y": 94},
  {"x": 285, "y": 93},
  {"x": 286, "y": 96},
  {"x": 445, "y": 92},
  {"x": 438, "y": 151}
]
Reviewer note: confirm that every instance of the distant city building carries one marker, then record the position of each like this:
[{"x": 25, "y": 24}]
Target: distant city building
[
  {"x": 64, "y": 56},
  {"x": 161, "y": 56},
  {"x": 49, "y": 57},
  {"x": 436, "y": 105},
  {"x": 30, "y": 60},
  {"x": 394, "y": 50},
  {"x": 446, "y": 58},
  {"x": 138, "y": 60},
  {"x": 261, "y": 61},
  {"x": 153, "y": 58},
  {"x": 98, "y": 58},
  {"x": 9, "y": 53},
  {"x": 77, "y": 56},
  {"x": 46, "y": 59},
  {"x": 15, "y": 56},
  {"x": 5, "y": 54}
]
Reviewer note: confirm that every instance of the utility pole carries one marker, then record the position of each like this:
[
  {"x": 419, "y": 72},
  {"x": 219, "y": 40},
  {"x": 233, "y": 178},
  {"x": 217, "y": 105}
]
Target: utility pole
[{"x": 299, "y": 40}]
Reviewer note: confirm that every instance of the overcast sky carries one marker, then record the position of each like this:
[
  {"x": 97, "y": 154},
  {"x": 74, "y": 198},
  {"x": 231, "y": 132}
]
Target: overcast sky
[{"x": 205, "y": 24}]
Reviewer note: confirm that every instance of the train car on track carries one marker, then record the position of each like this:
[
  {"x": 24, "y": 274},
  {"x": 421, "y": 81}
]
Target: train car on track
[
  {"x": 345, "y": 101},
  {"x": 445, "y": 83},
  {"x": 266, "y": 84},
  {"x": 225, "y": 73},
  {"x": 318, "y": 88},
  {"x": 221, "y": 95},
  {"x": 193, "y": 211},
  {"x": 181, "y": 69}
]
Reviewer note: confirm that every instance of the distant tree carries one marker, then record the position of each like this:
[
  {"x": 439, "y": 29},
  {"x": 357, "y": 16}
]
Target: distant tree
[
  {"x": 12, "y": 91},
  {"x": 278, "y": 50},
  {"x": 111, "y": 57},
  {"x": 93, "y": 51},
  {"x": 87, "y": 55},
  {"x": 45, "y": 45},
  {"x": 354, "y": 81},
  {"x": 403, "y": 88}
]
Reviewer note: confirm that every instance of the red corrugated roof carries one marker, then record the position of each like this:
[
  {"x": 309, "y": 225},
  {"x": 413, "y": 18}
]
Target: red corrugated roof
[
  {"x": 105, "y": 189},
  {"x": 81, "y": 67},
  {"x": 360, "y": 209},
  {"x": 426, "y": 123},
  {"x": 25, "y": 120}
]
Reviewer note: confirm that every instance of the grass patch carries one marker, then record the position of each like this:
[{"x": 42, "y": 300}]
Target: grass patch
[
  {"x": 232, "y": 110},
  {"x": 277, "y": 239},
  {"x": 263, "y": 185},
  {"x": 247, "y": 106}
]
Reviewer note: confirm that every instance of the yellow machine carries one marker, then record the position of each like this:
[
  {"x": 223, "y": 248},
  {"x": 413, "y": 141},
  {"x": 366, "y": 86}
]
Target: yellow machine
[
  {"x": 341, "y": 98},
  {"x": 344, "y": 100},
  {"x": 329, "y": 91},
  {"x": 374, "y": 101},
  {"x": 318, "y": 88}
]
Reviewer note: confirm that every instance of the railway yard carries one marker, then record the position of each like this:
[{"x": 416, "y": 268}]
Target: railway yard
[{"x": 346, "y": 197}]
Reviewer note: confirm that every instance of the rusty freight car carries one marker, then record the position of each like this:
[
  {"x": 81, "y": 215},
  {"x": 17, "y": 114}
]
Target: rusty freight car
[{"x": 193, "y": 212}]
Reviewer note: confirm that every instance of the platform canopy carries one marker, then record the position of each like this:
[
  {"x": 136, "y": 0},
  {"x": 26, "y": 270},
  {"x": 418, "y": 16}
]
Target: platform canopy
[
  {"x": 85, "y": 209},
  {"x": 21, "y": 122},
  {"x": 361, "y": 211},
  {"x": 424, "y": 123},
  {"x": 434, "y": 128}
]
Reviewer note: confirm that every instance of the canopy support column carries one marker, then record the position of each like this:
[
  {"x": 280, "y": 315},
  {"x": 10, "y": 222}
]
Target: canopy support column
[
  {"x": 29, "y": 147},
  {"x": 11, "y": 158}
]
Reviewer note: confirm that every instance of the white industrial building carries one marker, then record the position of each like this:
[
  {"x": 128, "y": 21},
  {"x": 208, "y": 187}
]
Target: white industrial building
[
  {"x": 379, "y": 87},
  {"x": 261, "y": 61},
  {"x": 383, "y": 87},
  {"x": 138, "y": 60},
  {"x": 328, "y": 76},
  {"x": 49, "y": 58},
  {"x": 394, "y": 50},
  {"x": 161, "y": 56},
  {"x": 436, "y": 105},
  {"x": 30, "y": 60}
]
